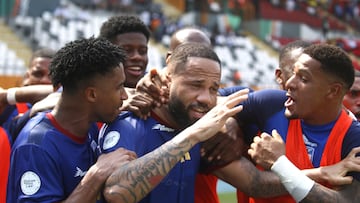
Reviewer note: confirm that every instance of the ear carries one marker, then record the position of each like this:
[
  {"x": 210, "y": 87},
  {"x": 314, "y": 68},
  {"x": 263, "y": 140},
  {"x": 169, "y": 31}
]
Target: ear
[
  {"x": 25, "y": 80},
  {"x": 278, "y": 76},
  {"x": 91, "y": 94},
  {"x": 335, "y": 90},
  {"x": 168, "y": 56}
]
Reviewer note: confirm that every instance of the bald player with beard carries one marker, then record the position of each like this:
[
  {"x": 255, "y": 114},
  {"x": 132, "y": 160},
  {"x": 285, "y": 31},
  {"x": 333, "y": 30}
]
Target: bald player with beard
[{"x": 205, "y": 184}]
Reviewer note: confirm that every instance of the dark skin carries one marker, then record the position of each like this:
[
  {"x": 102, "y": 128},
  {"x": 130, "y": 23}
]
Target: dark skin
[
  {"x": 226, "y": 146},
  {"x": 215, "y": 155},
  {"x": 266, "y": 149},
  {"x": 213, "y": 150}
]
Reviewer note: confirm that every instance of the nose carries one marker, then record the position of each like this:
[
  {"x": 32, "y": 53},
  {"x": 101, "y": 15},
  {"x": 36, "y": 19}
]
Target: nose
[
  {"x": 135, "y": 55},
  {"x": 357, "y": 101},
  {"x": 205, "y": 97},
  {"x": 290, "y": 83},
  {"x": 123, "y": 95},
  {"x": 45, "y": 80}
]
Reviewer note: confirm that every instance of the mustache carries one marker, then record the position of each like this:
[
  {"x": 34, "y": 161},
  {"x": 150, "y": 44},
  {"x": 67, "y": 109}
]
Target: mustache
[{"x": 200, "y": 107}]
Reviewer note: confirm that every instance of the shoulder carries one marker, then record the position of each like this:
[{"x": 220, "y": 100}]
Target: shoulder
[
  {"x": 35, "y": 131},
  {"x": 259, "y": 102},
  {"x": 229, "y": 90},
  {"x": 352, "y": 138},
  {"x": 126, "y": 121},
  {"x": 353, "y": 133},
  {"x": 127, "y": 131}
]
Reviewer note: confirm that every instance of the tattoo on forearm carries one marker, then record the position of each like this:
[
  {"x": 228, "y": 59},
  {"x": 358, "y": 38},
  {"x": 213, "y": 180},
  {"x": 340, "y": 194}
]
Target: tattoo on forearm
[
  {"x": 264, "y": 184},
  {"x": 321, "y": 194},
  {"x": 135, "y": 180}
]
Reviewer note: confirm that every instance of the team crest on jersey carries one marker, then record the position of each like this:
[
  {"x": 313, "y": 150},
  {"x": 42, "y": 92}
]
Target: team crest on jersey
[
  {"x": 162, "y": 128},
  {"x": 310, "y": 147},
  {"x": 30, "y": 183},
  {"x": 111, "y": 139}
]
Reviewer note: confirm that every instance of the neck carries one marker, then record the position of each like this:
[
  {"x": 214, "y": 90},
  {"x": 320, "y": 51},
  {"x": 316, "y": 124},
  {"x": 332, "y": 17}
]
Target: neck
[
  {"x": 73, "y": 117},
  {"x": 324, "y": 117},
  {"x": 163, "y": 114}
]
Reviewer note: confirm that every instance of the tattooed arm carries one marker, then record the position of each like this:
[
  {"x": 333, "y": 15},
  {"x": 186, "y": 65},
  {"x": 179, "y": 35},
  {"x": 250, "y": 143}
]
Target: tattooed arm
[
  {"x": 133, "y": 181},
  {"x": 349, "y": 193},
  {"x": 243, "y": 175},
  {"x": 268, "y": 151}
]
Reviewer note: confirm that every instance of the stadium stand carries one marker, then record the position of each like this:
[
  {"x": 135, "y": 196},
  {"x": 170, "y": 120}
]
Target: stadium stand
[{"x": 234, "y": 31}]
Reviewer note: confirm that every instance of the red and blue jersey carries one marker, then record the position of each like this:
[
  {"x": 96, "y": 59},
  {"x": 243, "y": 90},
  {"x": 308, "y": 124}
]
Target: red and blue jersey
[
  {"x": 48, "y": 162},
  {"x": 144, "y": 136},
  {"x": 10, "y": 113}
]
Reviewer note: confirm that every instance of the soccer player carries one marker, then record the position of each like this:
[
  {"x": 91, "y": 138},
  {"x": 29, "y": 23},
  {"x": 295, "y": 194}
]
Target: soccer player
[{"x": 55, "y": 159}]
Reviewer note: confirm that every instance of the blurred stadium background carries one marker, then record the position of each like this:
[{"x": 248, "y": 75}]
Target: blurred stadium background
[{"x": 246, "y": 34}]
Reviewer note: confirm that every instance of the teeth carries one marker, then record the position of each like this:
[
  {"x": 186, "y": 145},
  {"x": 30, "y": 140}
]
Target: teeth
[
  {"x": 134, "y": 68},
  {"x": 200, "y": 110}
]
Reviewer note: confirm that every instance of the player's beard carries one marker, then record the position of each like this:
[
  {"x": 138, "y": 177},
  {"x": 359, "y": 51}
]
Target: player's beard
[{"x": 179, "y": 112}]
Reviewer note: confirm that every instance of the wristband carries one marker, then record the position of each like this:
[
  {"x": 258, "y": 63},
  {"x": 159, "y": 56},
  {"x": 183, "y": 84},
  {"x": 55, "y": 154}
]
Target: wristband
[
  {"x": 11, "y": 95},
  {"x": 296, "y": 183}
]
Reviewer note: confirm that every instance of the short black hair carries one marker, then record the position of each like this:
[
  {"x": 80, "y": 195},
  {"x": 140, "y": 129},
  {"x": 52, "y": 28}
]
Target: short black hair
[
  {"x": 182, "y": 52},
  {"x": 334, "y": 61},
  {"x": 82, "y": 59},
  {"x": 287, "y": 48},
  {"x": 117, "y": 25},
  {"x": 43, "y": 53}
]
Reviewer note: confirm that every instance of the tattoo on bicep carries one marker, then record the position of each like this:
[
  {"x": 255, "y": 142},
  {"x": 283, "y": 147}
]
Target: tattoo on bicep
[{"x": 136, "y": 179}]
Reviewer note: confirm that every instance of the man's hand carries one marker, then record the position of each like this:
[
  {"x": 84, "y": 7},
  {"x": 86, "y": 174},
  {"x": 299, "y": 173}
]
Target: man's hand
[
  {"x": 335, "y": 175},
  {"x": 214, "y": 120},
  {"x": 47, "y": 103},
  {"x": 156, "y": 85},
  {"x": 108, "y": 163},
  {"x": 266, "y": 149},
  {"x": 140, "y": 104},
  {"x": 226, "y": 146}
]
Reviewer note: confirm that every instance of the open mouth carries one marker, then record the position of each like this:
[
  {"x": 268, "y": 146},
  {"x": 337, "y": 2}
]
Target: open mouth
[
  {"x": 135, "y": 70},
  {"x": 197, "y": 112},
  {"x": 290, "y": 101}
]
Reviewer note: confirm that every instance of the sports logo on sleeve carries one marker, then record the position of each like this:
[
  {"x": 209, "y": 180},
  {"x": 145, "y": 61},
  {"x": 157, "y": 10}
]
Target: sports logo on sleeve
[
  {"x": 111, "y": 139},
  {"x": 162, "y": 128},
  {"x": 30, "y": 183}
]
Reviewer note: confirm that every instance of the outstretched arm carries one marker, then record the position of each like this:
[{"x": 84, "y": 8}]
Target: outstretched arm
[
  {"x": 136, "y": 179},
  {"x": 243, "y": 175},
  {"x": 335, "y": 175}
]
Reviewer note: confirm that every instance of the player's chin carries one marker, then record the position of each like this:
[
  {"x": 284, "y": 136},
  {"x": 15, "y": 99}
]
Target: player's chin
[
  {"x": 291, "y": 114},
  {"x": 195, "y": 115},
  {"x": 111, "y": 117}
]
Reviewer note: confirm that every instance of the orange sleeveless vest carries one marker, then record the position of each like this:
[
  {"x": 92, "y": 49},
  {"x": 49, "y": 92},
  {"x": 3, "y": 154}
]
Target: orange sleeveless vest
[
  {"x": 296, "y": 151},
  {"x": 205, "y": 189},
  {"x": 4, "y": 163}
]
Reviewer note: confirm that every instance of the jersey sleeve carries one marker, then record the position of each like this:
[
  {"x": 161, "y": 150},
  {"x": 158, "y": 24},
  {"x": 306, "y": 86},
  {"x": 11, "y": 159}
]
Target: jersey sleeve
[
  {"x": 351, "y": 140},
  {"x": 126, "y": 132},
  {"x": 258, "y": 108},
  {"x": 34, "y": 176}
]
